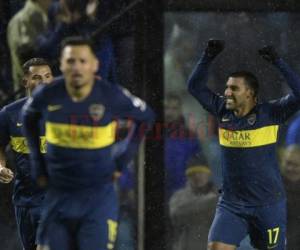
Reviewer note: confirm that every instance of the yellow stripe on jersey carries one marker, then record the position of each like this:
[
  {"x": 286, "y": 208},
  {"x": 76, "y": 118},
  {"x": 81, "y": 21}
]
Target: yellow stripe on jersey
[
  {"x": 248, "y": 138},
  {"x": 19, "y": 144},
  {"x": 80, "y": 136}
]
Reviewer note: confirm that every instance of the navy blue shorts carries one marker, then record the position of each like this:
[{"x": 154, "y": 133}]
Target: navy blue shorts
[
  {"x": 83, "y": 220},
  {"x": 266, "y": 225},
  {"x": 28, "y": 219}
]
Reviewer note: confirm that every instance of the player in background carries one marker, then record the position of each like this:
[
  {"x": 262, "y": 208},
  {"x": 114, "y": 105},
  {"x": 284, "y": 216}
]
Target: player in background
[
  {"x": 253, "y": 199},
  {"x": 27, "y": 198}
]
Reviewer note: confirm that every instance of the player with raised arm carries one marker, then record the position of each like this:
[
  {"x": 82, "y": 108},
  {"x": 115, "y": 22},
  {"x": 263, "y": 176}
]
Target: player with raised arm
[{"x": 253, "y": 199}]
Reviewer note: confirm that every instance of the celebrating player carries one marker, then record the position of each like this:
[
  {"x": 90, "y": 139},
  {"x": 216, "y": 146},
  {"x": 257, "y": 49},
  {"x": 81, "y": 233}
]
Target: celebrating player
[{"x": 253, "y": 199}]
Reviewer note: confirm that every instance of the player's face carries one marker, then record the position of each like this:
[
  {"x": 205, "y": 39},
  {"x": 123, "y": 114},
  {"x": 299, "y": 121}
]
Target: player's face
[
  {"x": 237, "y": 93},
  {"x": 78, "y": 65},
  {"x": 292, "y": 165},
  {"x": 37, "y": 75}
]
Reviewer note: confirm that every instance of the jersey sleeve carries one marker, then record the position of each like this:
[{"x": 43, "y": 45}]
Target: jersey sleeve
[
  {"x": 126, "y": 105},
  {"x": 31, "y": 116},
  {"x": 197, "y": 86},
  {"x": 37, "y": 102},
  {"x": 4, "y": 128},
  {"x": 283, "y": 108}
]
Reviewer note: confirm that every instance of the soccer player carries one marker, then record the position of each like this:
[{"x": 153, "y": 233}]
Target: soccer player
[
  {"x": 27, "y": 198},
  {"x": 80, "y": 113},
  {"x": 253, "y": 199}
]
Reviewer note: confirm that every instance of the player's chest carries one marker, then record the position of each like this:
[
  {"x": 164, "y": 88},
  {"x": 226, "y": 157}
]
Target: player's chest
[
  {"x": 15, "y": 126},
  {"x": 249, "y": 131},
  {"x": 90, "y": 113}
]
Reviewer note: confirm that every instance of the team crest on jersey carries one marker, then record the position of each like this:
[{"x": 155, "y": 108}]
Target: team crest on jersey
[
  {"x": 251, "y": 119},
  {"x": 96, "y": 111}
]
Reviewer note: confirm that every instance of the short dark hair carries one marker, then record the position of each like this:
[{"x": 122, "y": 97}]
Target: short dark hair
[
  {"x": 250, "y": 80},
  {"x": 77, "y": 41},
  {"x": 36, "y": 61}
]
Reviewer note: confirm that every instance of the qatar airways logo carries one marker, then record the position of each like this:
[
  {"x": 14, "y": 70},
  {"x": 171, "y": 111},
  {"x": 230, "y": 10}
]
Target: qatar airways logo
[{"x": 237, "y": 138}]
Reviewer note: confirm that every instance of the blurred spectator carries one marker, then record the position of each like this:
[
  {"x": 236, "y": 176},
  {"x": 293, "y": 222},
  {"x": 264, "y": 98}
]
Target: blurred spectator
[
  {"x": 5, "y": 76},
  {"x": 293, "y": 132},
  {"x": 22, "y": 32},
  {"x": 192, "y": 207},
  {"x": 74, "y": 18},
  {"x": 179, "y": 58},
  {"x": 180, "y": 145},
  {"x": 123, "y": 36},
  {"x": 291, "y": 173}
]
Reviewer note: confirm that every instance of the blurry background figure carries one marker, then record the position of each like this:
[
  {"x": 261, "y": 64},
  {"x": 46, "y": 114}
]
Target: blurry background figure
[
  {"x": 114, "y": 43},
  {"x": 22, "y": 32},
  {"x": 291, "y": 174},
  {"x": 180, "y": 144},
  {"x": 182, "y": 40},
  {"x": 192, "y": 208},
  {"x": 6, "y": 86},
  {"x": 179, "y": 59},
  {"x": 293, "y": 131},
  {"x": 78, "y": 18}
]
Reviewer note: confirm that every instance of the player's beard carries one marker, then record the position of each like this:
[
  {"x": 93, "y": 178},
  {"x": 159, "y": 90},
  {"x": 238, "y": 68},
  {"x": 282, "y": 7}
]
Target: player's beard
[
  {"x": 77, "y": 81},
  {"x": 230, "y": 103}
]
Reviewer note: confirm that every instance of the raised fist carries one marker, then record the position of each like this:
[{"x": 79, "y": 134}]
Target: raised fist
[
  {"x": 214, "y": 47},
  {"x": 268, "y": 53}
]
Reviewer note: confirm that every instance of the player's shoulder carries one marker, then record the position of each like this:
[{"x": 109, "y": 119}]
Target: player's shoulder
[
  {"x": 105, "y": 85},
  {"x": 47, "y": 90},
  {"x": 15, "y": 106},
  {"x": 109, "y": 89},
  {"x": 265, "y": 107},
  {"x": 56, "y": 84}
]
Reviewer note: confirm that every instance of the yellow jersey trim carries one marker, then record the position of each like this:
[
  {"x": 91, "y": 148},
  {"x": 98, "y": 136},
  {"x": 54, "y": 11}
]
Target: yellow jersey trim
[
  {"x": 19, "y": 144},
  {"x": 80, "y": 136},
  {"x": 248, "y": 138}
]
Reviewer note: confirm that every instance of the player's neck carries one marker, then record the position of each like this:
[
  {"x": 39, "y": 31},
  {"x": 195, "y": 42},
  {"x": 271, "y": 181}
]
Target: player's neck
[
  {"x": 244, "y": 110},
  {"x": 79, "y": 94}
]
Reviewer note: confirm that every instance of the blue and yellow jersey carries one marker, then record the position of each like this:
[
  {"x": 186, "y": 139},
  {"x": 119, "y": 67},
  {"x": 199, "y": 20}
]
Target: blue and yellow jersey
[
  {"x": 25, "y": 193},
  {"x": 251, "y": 174},
  {"x": 80, "y": 135}
]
